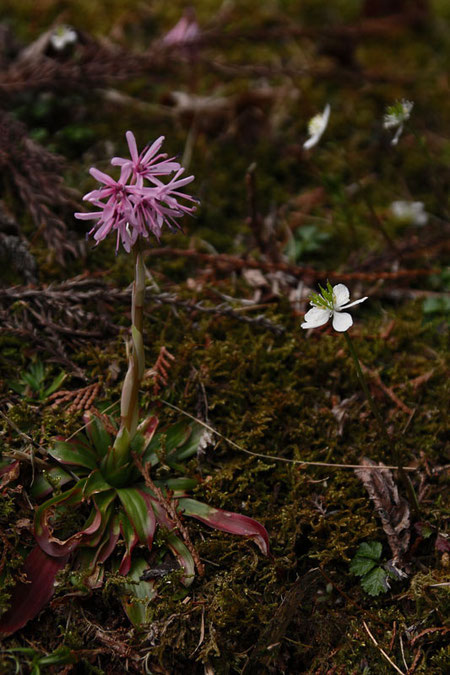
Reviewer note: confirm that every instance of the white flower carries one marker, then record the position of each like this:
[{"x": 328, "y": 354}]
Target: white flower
[
  {"x": 63, "y": 36},
  {"x": 409, "y": 212},
  {"x": 329, "y": 304},
  {"x": 396, "y": 115},
  {"x": 316, "y": 127}
]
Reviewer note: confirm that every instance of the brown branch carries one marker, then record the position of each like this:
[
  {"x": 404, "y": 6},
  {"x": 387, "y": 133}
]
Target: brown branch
[{"x": 225, "y": 261}]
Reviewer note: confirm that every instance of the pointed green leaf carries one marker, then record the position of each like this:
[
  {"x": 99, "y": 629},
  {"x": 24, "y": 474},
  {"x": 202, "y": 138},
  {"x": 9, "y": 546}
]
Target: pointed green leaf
[
  {"x": 177, "y": 485},
  {"x": 74, "y": 453},
  {"x": 191, "y": 445},
  {"x": 104, "y": 504},
  {"x": 57, "y": 382},
  {"x": 97, "y": 434},
  {"x": 168, "y": 440},
  {"x": 131, "y": 539},
  {"x": 184, "y": 557},
  {"x": 138, "y": 595},
  {"x": 138, "y": 508},
  {"x": 95, "y": 483}
]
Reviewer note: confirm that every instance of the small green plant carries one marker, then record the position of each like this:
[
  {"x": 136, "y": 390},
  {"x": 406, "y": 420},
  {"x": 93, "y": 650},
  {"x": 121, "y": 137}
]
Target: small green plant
[
  {"x": 36, "y": 661},
  {"x": 34, "y": 383},
  {"x": 367, "y": 565},
  {"x": 306, "y": 239}
]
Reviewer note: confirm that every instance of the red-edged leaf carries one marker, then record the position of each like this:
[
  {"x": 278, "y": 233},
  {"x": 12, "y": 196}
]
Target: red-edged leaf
[
  {"x": 147, "y": 429},
  {"x": 110, "y": 539},
  {"x": 95, "y": 483},
  {"x": 227, "y": 521},
  {"x": 43, "y": 487},
  {"x": 74, "y": 453},
  {"x": 97, "y": 434},
  {"x": 29, "y": 598},
  {"x": 170, "y": 439},
  {"x": 160, "y": 512},
  {"x": 181, "y": 552},
  {"x": 104, "y": 503},
  {"x": 43, "y": 532},
  {"x": 89, "y": 560},
  {"x": 130, "y": 538},
  {"x": 139, "y": 510}
]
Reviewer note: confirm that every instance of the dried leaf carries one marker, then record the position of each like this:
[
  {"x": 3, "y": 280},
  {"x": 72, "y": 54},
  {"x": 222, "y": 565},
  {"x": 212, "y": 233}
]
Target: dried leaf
[{"x": 392, "y": 509}]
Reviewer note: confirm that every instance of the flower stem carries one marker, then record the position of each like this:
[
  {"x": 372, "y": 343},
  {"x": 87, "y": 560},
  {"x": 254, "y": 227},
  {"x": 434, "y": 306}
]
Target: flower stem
[
  {"x": 129, "y": 408},
  {"x": 376, "y": 412}
]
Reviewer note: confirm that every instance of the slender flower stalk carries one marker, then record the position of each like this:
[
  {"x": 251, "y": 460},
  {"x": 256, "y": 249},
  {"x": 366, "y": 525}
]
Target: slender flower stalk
[{"x": 133, "y": 211}]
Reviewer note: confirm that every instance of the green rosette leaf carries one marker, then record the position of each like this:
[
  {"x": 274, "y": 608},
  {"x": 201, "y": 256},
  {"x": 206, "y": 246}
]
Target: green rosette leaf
[
  {"x": 97, "y": 434},
  {"x": 137, "y": 506},
  {"x": 75, "y": 453},
  {"x": 137, "y": 594}
]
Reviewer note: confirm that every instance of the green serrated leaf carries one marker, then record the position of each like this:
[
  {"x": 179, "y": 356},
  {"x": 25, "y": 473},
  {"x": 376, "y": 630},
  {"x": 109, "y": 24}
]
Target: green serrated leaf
[
  {"x": 375, "y": 582},
  {"x": 367, "y": 557}
]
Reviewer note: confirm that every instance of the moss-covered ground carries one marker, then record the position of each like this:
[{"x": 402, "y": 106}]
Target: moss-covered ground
[{"x": 287, "y": 399}]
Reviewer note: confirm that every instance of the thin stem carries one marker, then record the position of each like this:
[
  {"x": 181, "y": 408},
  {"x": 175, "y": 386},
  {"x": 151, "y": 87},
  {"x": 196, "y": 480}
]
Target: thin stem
[
  {"x": 374, "y": 408},
  {"x": 130, "y": 390},
  {"x": 129, "y": 401}
]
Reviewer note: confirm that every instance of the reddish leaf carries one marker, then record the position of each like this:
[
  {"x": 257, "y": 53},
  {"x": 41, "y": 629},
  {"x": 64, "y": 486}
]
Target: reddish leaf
[
  {"x": 43, "y": 532},
  {"x": 137, "y": 506},
  {"x": 184, "y": 557},
  {"x": 442, "y": 543},
  {"x": 131, "y": 539},
  {"x": 29, "y": 598},
  {"x": 227, "y": 521}
]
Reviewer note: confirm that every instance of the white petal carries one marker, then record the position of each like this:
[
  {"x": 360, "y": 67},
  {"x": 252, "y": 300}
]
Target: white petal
[
  {"x": 316, "y": 317},
  {"x": 326, "y": 116},
  {"x": 355, "y": 302},
  {"x": 342, "y": 321},
  {"x": 341, "y": 295},
  {"x": 311, "y": 142}
]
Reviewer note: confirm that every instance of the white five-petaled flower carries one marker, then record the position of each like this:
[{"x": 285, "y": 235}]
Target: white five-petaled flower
[
  {"x": 409, "y": 212},
  {"x": 62, "y": 37},
  {"x": 316, "y": 127},
  {"x": 330, "y": 303},
  {"x": 396, "y": 115}
]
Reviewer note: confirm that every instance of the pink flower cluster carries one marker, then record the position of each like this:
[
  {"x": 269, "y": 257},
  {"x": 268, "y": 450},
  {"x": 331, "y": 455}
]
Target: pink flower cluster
[{"x": 129, "y": 207}]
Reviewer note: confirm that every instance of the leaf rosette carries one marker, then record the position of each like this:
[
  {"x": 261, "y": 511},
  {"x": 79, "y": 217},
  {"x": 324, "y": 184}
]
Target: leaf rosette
[{"x": 124, "y": 515}]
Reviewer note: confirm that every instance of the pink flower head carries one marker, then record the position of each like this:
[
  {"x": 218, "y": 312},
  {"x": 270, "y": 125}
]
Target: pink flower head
[
  {"x": 184, "y": 32},
  {"x": 159, "y": 205},
  {"x": 131, "y": 209},
  {"x": 146, "y": 164}
]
